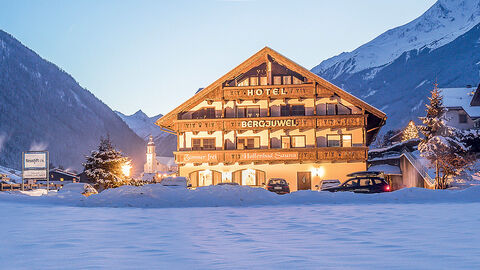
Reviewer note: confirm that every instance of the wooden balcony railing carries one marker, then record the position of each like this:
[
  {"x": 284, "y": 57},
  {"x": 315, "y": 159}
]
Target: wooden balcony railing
[
  {"x": 274, "y": 155},
  {"x": 259, "y": 123}
]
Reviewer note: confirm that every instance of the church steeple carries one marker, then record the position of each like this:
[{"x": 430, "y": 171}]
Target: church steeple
[
  {"x": 151, "y": 156},
  {"x": 150, "y": 145}
]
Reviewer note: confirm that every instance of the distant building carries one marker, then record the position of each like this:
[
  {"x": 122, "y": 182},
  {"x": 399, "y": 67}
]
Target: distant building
[
  {"x": 463, "y": 107},
  {"x": 157, "y": 167},
  {"x": 402, "y": 165}
]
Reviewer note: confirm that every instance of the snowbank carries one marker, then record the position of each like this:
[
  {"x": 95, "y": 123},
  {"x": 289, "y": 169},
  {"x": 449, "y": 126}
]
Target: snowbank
[{"x": 157, "y": 196}]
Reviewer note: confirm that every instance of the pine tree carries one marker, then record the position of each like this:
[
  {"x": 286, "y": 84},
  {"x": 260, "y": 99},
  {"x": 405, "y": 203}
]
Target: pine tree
[
  {"x": 442, "y": 145},
  {"x": 410, "y": 132},
  {"x": 104, "y": 166}
]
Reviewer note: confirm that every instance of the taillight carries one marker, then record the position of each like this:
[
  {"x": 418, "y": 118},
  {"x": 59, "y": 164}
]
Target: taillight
[{"x": 387, "y": 188}]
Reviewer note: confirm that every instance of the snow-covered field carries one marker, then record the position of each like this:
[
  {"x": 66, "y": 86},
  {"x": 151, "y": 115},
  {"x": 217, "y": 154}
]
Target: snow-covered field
[{"x": 251, "y": 228}]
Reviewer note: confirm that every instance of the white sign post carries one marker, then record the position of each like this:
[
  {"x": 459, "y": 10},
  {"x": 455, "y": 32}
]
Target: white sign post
[{"x": 35, "y": 166}]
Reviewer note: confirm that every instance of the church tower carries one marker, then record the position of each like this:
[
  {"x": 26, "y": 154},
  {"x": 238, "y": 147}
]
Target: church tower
[{"x": 151, "y": 156}]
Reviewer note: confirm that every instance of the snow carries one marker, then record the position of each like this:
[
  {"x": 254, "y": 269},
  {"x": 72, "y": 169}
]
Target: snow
[
  {"x": 14, "y": 175},
  {"x": 460, "y": 97},
  {"x": 142, "y": 125},
  {"x": 158, "y": 196},
  {"x": 422, "y": 83},
  {"x": 439, "y": 25},
  {"x": 416, "y": 107},
  {"x": 413, "y": 229},
  {"x": 370, "y": 93},
  {"x": 387, "y": 169}
]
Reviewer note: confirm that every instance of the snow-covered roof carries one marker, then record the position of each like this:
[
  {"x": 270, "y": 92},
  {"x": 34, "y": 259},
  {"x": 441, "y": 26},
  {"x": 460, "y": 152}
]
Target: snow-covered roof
[
  {"x": 460, "y": 97},
  {"x": 385, "y": 168}
]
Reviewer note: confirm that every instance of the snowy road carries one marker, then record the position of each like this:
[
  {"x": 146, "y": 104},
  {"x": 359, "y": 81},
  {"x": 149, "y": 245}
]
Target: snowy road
[{"x": 367, "y": 236}]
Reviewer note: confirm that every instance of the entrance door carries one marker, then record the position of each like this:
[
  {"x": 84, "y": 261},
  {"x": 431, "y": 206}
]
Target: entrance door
[{"x": 304, "y": 181}]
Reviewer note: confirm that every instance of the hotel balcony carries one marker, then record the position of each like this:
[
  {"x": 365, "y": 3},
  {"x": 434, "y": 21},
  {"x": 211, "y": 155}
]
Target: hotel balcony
[{"x": 279, "y": 122}]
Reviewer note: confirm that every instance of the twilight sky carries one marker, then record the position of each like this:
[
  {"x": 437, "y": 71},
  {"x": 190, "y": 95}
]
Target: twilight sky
[{"x": 153, "y": 55}]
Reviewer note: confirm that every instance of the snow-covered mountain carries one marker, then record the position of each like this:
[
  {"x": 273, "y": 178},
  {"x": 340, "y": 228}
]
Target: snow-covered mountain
[
  {"x": 396, "y": 70},
  {"x": 144, "y": 126},
  {"x": 44, "y": 108}
]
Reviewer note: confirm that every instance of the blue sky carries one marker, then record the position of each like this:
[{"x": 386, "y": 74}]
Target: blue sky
[{"x": 153, "y": 55}]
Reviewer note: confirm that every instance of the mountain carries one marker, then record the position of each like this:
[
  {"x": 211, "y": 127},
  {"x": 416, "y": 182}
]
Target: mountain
[
  {"x": 144, "y": 126},
  {"x": 44, "y": 108},
  {"x": 396, "y": 70}
]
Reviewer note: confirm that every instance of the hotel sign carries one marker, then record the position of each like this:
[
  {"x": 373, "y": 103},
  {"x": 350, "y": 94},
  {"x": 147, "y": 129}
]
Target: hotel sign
[
  {"x": 198, "y": 157},
  {"x": 280, "y": 122},
  {"x": 259, "y": 156},
  {"x": 344, "y": 121},
  {"x": 262, "y": 92}
]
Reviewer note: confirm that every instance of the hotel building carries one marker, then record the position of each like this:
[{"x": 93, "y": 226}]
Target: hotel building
[{"x": 271, "y": 118}]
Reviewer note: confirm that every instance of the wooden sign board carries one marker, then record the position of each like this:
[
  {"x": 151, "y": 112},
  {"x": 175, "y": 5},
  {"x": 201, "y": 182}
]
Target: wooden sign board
[{"x": 270, "y": 91}]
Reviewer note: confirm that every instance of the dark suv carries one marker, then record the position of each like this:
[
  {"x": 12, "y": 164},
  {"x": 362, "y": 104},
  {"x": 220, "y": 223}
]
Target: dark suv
[
  {"x": 363, "y": 184},
  {"x": 278, "y": 185}
]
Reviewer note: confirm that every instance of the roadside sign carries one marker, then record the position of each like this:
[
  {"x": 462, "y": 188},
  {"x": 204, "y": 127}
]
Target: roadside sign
[
  {"x": 35, "y": 160},
  {"x": 35, "y": 174},
  {"x": 35, "y": 166}
]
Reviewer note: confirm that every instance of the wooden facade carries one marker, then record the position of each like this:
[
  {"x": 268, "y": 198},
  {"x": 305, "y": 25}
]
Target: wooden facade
[{"x": 270, "y": 117}]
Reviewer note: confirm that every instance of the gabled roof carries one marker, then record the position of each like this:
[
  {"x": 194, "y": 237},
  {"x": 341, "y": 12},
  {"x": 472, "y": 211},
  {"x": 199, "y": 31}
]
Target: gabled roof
[
  {"x": 455, "y": 98},
  {"x": 258, "y": 58}
]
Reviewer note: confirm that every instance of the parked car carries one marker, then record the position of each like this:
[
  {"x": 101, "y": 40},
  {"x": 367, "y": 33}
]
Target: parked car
[
  {"x": 81, "y": 188},
  {"x": 363, "y": 184},
  {"x": 324, "y": 184},
  {"x": 227, "y": 184},
  {"x": 176, "y": 182},
  {"x": 278, "y": 185}
]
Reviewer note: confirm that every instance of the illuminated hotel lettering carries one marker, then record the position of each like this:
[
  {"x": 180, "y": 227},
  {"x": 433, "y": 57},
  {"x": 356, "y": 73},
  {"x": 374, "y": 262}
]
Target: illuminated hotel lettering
[
  {"x": 268, "y": 91},
  {"x": 270, "y": 156},
  {"x": 207, "y": 157},
  {"x": 270, "y": 123}
]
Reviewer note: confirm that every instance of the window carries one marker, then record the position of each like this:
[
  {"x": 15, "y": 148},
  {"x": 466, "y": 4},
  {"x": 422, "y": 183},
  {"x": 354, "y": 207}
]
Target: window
[
  {"x": 339, "y": 140},
  {"x": 365, "y": 182},
  {"x": 205, "y": 178},
  {"x": 248, "y": 177},
  {"x": 203, "y": 144},
  {"x": 285, "y": 142},
  {"x": 347, "y": 140},
  {"x": 287, "y": 79},
  {"x": 248, "y": 143},
  {"x": 243, "y": 83},
  {"x": 351, "y": 183},
  {"x": 462, "y": 118},
  {"x": 322, "y": 109},
  {"x": 342, "y": 109},
  {"x": 334, "y": 141},
  {"x": 297, "y": 80},
  {"x": 331, "y": 109},
  {"x": 196, "y": 144},
  {"x": 205, "y": 113},
  {"x": 254, "y": 81},
  {"x": 263, "y": 80},
  {"x": 298, "y": 141},
  {"x": 209, "y": 144},
  {"x": 248, "y": 111},
  {"x": 292, "y": 110},
  {"x": 277, "y": 79}
]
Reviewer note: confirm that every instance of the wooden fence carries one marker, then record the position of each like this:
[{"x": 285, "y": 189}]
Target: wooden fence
[{"x": 6, "y": 187}]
